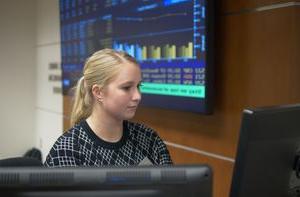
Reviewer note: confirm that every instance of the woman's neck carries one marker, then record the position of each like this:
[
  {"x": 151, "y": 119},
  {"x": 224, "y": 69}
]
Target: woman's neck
[{"x": 108, "y": 129}]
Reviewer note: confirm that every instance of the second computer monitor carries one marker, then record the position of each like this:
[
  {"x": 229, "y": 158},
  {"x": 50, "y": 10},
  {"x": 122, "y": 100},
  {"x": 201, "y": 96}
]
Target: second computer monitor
[{"x": 267, "y": 153}]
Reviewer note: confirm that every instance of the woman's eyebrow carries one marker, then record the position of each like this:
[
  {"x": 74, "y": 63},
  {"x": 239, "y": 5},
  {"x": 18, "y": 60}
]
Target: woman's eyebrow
[{"x": 129, "y": 82}]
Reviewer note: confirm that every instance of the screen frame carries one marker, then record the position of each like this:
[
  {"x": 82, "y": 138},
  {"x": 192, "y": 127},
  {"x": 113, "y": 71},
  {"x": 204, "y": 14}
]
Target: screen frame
[
  {"x": 181, "y": 103},
  {"x": 176, "y": 180}
]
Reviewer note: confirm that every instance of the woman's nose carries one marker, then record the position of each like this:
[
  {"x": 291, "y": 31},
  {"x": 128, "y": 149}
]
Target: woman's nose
[{"x": 137, "y": 95}]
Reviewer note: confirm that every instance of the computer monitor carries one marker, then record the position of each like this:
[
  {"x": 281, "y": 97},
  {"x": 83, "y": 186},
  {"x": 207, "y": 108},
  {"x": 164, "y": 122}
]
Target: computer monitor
[
  {"x": 138, "y": 181},
  {"x": 267, "y": 161}
]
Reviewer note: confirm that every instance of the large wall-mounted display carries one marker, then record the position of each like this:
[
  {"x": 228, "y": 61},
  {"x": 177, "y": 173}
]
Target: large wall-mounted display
[{"x": 171, "y": 39}]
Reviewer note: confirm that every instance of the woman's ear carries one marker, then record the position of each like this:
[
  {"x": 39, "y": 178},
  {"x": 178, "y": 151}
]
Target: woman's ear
[{"x": 97, "y": 92}]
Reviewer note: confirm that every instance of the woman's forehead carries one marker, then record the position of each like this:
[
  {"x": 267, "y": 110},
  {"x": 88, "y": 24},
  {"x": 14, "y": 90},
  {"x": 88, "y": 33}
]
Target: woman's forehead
[{"x": 128, "y": 72}]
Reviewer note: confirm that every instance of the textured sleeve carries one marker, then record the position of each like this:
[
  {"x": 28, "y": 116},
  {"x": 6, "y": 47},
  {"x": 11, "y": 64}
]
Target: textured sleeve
[
  {"x": 64, "y": 153},
  {"x": 161, "y": 153}
]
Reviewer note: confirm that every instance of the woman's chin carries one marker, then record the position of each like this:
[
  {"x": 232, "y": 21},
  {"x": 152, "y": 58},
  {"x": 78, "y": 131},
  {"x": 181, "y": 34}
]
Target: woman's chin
[{"x": 130, "y": 114}]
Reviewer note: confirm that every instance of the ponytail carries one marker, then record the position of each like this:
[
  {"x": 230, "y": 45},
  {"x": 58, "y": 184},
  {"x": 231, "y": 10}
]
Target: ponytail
[{"x": 82, "y": 103}]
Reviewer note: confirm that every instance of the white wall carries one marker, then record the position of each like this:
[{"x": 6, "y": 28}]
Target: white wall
[
  {"x": 49, "y": 109},
  {"x": 30, "y": 112},
  {"x": 17, "y": 76}
]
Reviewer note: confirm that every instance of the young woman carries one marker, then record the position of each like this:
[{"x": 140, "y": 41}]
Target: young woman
[{"x": 106, "y": 97}]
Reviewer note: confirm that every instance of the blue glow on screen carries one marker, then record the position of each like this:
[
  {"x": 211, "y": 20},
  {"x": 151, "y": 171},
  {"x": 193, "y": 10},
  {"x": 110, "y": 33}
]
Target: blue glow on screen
[{"x": 170, "y": 2}]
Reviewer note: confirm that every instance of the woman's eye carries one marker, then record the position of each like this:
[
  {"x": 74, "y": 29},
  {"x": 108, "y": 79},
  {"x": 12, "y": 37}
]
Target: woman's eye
[{"x": 126, "y": 88}]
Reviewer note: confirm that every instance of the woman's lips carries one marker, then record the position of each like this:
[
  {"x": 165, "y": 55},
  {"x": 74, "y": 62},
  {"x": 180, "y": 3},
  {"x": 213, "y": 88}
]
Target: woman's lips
[{"x": 132, "y": 107}]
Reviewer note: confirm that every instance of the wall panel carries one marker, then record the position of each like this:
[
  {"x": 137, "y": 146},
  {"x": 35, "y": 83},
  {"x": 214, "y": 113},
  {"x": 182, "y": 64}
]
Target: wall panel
[{"x": 238, "y": 6}]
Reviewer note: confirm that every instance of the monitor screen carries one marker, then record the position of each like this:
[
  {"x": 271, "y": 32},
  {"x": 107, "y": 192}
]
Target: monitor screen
[
  {"x": 171, "y": 39},
  {"x": 139, "y": 181},
  {"x": 267, "y": 153}
]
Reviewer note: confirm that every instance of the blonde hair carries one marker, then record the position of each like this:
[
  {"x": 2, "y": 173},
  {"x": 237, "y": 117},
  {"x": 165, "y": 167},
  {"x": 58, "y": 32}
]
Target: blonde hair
[{"x": 99, "y": 69}]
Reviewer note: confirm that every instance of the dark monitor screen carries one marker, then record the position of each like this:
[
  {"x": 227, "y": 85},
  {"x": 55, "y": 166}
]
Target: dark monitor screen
[
  {"x": 142, "y": 181},
  {"x": 267, "y": 153}
]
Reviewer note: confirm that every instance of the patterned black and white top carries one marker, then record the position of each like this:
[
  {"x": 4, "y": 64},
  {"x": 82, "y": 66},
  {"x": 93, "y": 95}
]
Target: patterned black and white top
[{"x": 80, "y": 146}]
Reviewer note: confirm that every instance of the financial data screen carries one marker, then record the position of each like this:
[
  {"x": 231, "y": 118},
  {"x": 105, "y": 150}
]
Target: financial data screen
[{"x": 167, "y": 37}]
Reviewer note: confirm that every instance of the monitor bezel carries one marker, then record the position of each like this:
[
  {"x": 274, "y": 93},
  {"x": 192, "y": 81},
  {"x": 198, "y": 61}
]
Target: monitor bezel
[{"x": 171, "y": 180}]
